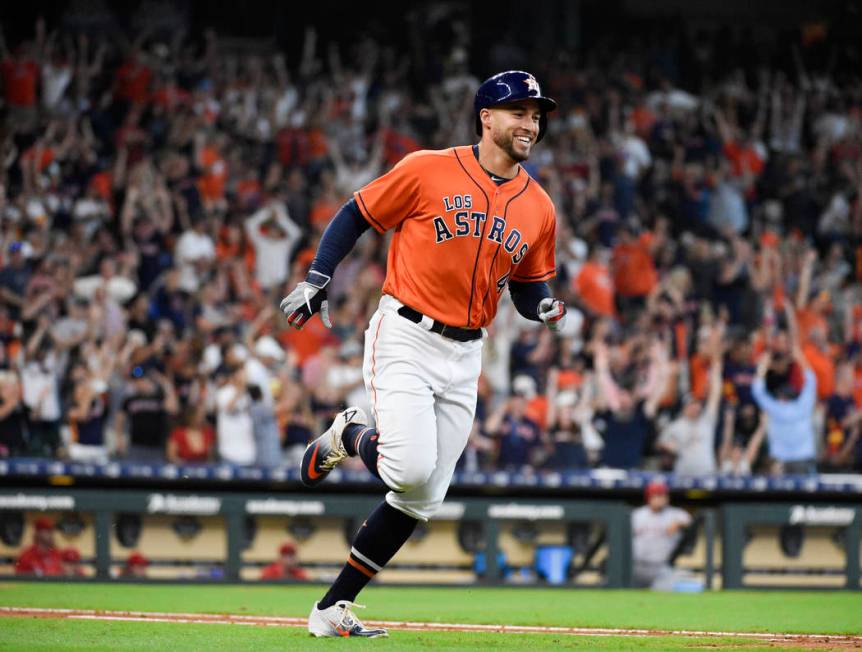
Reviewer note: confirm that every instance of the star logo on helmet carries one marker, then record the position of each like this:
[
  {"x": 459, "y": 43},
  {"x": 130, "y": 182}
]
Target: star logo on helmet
[{"x": 533, "y": 85}]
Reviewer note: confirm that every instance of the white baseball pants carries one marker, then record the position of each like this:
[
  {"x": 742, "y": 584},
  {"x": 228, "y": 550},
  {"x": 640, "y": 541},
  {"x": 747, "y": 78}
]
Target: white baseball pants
[{"x": 422, "y": 387}]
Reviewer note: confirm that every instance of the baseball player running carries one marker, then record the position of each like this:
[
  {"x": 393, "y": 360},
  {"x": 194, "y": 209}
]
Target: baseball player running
[{"x": 468, "y": 221}]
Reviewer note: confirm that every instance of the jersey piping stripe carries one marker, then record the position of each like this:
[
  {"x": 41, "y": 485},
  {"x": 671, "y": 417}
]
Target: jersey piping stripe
[
  {"x": 367, "y": 213},
  {"x": 534, "y": 277},
  {"x": 374, "y": 397},
  {"x": 490, "y": 271},
  {"x": 500, "y": 246},
  {"x": 373, "y": 373},
  {"x": 481, "y": 237}
]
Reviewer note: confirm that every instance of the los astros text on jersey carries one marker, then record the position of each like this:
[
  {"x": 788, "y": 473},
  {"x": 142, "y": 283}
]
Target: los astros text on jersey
[{"x": 459, "y": 237}]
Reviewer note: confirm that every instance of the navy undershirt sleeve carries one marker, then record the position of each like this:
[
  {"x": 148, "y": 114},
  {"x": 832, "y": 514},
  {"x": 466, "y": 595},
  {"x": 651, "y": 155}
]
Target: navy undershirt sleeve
[
  {"x": 526, "y": 297},
  {"x": 339, "y": 238}
]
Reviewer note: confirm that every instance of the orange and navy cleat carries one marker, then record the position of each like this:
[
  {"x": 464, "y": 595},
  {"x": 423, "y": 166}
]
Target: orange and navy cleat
[{"x": 327, "y": 451}]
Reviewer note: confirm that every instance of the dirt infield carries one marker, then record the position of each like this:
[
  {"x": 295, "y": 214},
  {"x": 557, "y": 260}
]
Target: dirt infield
[{"x": 803, "y": 641}]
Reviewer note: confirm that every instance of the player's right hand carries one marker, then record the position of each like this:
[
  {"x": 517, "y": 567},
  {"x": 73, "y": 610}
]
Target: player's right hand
[{"x": 306, "y": 299}]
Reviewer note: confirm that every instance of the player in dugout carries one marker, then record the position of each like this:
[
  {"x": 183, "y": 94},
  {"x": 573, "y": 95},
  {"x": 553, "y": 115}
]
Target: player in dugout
[
  {"x": 286, "y": 567},
  {"x": 468, "y": 222},
  {"x": 136, "y": 566},
  {"x": 72, "y": 563},
  {"x": 656, "y": 530},
  {"x": 41, "y": 559}
]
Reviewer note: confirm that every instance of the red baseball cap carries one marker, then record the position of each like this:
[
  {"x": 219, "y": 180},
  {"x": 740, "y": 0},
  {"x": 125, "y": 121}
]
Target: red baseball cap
[
  {"x": 287, "y": 549},
  {"x": 71, "y": 555},
  {"x": 43, "y": 523},
  {"x": 137, "y": 559},
  {"x": 656, "y": 487}
]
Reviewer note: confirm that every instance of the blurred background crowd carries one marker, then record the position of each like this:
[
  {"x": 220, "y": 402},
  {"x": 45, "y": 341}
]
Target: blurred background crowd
[{"x": 161, "y": 190}]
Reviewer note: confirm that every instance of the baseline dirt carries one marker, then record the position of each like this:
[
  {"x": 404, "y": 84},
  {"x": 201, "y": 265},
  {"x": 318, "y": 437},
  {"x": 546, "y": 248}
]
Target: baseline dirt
[{"x": 802, "y": 641}]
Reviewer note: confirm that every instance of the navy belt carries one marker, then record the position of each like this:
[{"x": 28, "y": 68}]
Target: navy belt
[{"x": 452, "y": 332}]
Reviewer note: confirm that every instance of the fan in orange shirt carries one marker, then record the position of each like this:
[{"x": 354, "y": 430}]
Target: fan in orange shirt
[
  {"x": 38, "y": 156},
  {"x": 643, "y": 119},
  {"x": 102, "y": 184},
  {"x": 812, "y": 317},
  {"x": 212, "y": 183},
  {"x": 594, "y": 284},
  {"x": 306, "y": 342},
  {"x": 317, "y": 144},
  {"x": 397, "y": 145},
  {"x": 739, "y": 146},
  {"x": 810, "y": 312},
  {"x": 327, "y": 202},
  {"x": 854, "y": 332},
  {"x": 698, "y": 369},
  {"x": 743, "y": 158},
  {"x": 634, "y": 270},
  {"x": 820, "y": 356},
  {"x": 536, "y": 408}
]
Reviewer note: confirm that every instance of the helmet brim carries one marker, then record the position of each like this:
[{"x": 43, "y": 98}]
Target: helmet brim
[{"x": 546, "y": 104}]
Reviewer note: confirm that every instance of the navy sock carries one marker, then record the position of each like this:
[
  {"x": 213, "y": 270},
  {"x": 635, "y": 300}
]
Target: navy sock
[
  {"x": 382, "y": 534},
  {"x": 362, "y": 441}
]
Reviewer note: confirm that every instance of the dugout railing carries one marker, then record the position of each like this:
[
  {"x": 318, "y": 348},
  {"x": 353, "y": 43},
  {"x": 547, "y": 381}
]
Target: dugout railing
[
  {"x": 104, "y": 507},
  {"x": 754, "y": 532}
]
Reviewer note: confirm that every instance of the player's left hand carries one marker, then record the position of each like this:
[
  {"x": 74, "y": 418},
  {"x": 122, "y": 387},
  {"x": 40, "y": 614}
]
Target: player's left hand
[
  {"x": 306, "y": 299},
  {"x": 553, "y": 313}
]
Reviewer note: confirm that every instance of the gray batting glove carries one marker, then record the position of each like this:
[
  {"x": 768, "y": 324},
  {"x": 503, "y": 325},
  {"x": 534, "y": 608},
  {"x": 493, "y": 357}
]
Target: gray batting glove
[
  {"x": 306, "y": 299},
  {"x": 553, "y": 313}
]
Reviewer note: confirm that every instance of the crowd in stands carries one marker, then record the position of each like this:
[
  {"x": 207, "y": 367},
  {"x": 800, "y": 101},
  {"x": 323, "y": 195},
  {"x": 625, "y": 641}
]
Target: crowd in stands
[{"x": 158, "y": 197}]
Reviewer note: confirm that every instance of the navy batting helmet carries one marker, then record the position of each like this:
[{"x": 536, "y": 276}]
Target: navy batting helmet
[{"x": 512, "y": 86}]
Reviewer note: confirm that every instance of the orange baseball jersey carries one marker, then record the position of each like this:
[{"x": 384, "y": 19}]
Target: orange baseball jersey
[{"x": 459, "y": 237}]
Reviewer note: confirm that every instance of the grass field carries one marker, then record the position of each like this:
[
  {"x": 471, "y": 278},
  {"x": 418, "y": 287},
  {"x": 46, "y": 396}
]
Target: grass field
[{"x": 728, "y": 611}]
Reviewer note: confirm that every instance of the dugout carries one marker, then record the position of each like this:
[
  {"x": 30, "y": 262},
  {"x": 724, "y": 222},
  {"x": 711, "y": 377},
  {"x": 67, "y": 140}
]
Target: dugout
[{"x": 565, "y": 529}]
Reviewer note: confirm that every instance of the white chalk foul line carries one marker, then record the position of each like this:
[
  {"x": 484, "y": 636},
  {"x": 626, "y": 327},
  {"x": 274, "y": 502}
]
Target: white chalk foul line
[{"x": 285, "y": 621}]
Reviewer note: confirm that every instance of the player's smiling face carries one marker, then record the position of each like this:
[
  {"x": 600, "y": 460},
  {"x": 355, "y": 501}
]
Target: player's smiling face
[{"x": 515, "y": 127}]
